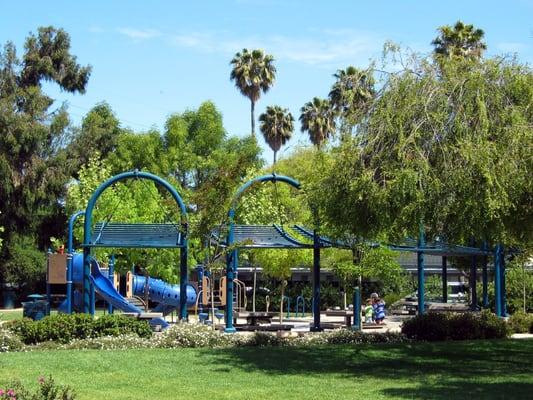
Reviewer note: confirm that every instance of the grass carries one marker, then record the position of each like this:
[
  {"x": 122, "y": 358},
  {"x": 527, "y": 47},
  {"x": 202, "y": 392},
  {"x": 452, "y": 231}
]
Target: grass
[
  {"x": 476, "y": 370},
  {"x": 8, "y": 315}
]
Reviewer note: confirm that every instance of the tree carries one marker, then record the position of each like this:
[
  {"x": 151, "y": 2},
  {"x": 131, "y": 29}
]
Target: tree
[
  {"x": 318, "y": 120},
  {"x": 254, "y": 73},
  {"x": 446, "y": 145},
  {"x": 34, "y": 167},
  {"x": 276, "y": 125},
  {"x": 99, "y": 132},
  {"x": 351, "y": 95},
  {"x": 460, "y": 41}
]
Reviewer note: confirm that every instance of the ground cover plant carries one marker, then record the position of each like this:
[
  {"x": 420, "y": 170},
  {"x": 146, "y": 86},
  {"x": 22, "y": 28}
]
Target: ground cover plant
[{"x": 479, "y": 369}]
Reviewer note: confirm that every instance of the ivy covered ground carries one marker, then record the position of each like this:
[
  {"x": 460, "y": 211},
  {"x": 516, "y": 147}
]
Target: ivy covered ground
[{"x": 498, "y": 369}]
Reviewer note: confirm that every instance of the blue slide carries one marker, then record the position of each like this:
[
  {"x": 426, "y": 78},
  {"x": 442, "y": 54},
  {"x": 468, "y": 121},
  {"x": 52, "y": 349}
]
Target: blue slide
[
  {"x": 165, "y": 294},
  {"x": 104, "y": 287}
]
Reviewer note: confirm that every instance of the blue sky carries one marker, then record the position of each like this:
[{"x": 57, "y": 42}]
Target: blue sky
[{"x": 151, "y": 59}]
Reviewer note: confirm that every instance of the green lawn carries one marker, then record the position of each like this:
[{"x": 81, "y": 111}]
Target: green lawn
[{"x": 475, "y": 370}]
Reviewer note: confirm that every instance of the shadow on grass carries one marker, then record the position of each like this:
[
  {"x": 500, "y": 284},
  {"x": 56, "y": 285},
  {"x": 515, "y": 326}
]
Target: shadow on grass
[{"x": 445, "y": 370}]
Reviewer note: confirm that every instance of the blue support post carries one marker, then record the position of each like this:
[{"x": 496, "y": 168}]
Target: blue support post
[
  {"x": 316, "y": 283},
  {"x": 231, "y": 261},
  {"x": 87, "y": 280},
  {"x": 48, "y": 287},
  {"x": 356, "y": 309},
  {"x": 420, "y": 269},
  {"x": 444, "y": 279},
  {"x": 70, "y": 255},
  {"x": 110, "y": 275},
  {"x": 503, "y": 291},
  {"x": 183, "y": 277},
  {"x": 473, "y": 280},
  {"x": 497, "y": 279},
  {"x": 485, "y": 278},
  {"x": 92, "y": 300}
]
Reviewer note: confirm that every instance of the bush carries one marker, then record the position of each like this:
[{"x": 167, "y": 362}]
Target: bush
[
  {"x": 191, "y": 335},
  {"x": 9, "y": 341},
  {"x": 48, "y": 390},
  {"x": 464, "y": 326},
  {"x": 63, "y": 328},
  {"x": 520, "y": 322}
]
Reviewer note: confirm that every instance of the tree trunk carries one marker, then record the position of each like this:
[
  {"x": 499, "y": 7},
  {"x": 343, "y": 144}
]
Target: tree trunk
[
  {"x": 253, "y": 117},
  {"x": 344, "y": 297},
  {"x": 275, "y": 157}
]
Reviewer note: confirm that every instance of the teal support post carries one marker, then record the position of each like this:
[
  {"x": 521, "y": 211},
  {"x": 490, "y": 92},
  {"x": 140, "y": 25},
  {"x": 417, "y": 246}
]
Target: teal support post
[
  {"x": 110, "y": 275},
  {"x": 485, "y": 279},
  {"x": 356, "y": 309},
  {"x": 184, "y": 279},
  {"x": 48, "y": 287},
  {"x": 497, "y": 279},
  {"x": 420, "y": 270},
  {"x": 503, "y": 294},
  {"x": 473, "y": 280},
  {"x": 87, "y": 280},
  {"x": 444, "y": 279},
  {"x": 300, "y": 300},
  {"x": 92, "y": 300},
  {"x": 316, "y": 283},
  {"x": 231, "y": 260},
  {"x": 288, "y": 301},
  {"x": 70, "y": 255}
]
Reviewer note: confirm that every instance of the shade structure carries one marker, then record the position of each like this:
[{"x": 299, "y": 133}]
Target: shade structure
[
  {"x": 261, "y": 237},
  {"x": 123, "y": 235}
]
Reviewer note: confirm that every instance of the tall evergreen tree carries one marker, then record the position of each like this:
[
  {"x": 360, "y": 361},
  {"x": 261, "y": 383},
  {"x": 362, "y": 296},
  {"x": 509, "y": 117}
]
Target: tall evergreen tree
[
  {"x": 461, "y": 40},
  {"x": 254, "y": 73},
  {"x": 318, "y": 120},
  {"x": 33, "y": 165},
  {"x": 277, "y": 125}
]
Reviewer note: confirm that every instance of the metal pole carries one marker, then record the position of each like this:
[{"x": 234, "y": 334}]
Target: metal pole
[
  {"x": 183, "y": 276},
  {"x": 444, "y": 279},
  {"x": 503, "y": 290},
  {"x": 473, "y": 280},
  {"x": 356, "y": 309},
  {"x": 48, "y": 287},
  {"x": 316, "y": 283},
  {"x": 231, "y": 260},
  {"x": 70, "y": 255},
  {"x": 420, "y": 268},
  {"x": 485, "y": 278},
  {"x": 110, "y": 275},
  {"x": 497, "y": 279}
]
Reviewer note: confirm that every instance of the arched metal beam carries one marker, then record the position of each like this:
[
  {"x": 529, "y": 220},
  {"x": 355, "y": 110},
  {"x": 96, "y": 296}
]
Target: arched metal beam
[
  {"x": 87, "y": 227},
  {"x": 231, "y": 259}
]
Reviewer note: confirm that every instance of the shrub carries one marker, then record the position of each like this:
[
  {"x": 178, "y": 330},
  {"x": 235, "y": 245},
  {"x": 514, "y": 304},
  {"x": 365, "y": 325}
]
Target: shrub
[
  {"x": 9, "y": 341},
  {"x": 63, "y": 328},
  {"x": 520, "y": 322},
  {"x": 191, "y": 335},
  {"x": 464, "y": 326},
  {"x": 48, "y": 390},
  {"x": 116, "y": 324}
]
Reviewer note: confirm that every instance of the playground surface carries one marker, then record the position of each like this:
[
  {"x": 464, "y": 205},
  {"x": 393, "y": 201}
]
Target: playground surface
[{"x": 478, "y": 370}]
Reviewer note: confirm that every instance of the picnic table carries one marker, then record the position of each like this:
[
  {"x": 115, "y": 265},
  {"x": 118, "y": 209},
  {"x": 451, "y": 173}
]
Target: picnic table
[
  {"x": 256, "y": 318},
  {"x": 347, "y": 314}
]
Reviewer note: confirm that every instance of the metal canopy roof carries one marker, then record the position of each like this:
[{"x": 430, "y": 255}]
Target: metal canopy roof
[
  {"x": 437, "y": 249},
  {"x": 262, "y": 237},
  {"x": 136, "y": 236}
]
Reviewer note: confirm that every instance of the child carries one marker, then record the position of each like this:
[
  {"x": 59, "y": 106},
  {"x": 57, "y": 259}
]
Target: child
[
  {"x": 368, "y": 311},
  {"x": 379, "y": 310}
]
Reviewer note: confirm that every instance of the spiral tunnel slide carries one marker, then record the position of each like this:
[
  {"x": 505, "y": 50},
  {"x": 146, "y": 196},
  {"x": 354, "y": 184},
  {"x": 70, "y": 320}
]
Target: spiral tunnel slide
[{"x": 165, "y": 294}]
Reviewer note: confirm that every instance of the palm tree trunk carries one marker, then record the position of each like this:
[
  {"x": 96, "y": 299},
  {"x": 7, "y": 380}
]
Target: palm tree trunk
[
  {"x": 275, "y": 157},
  {"x": 253, "y": 117}
]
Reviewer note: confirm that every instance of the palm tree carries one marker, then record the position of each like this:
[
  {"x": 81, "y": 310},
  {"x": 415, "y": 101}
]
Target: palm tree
[
  {"x": 276, "y": 125},
  {"x": 253, "y": 73},
  {"x": 459, "y": 41},
  {"x": 352, "y": 90},
  {"x": 318, "y": 119}
]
